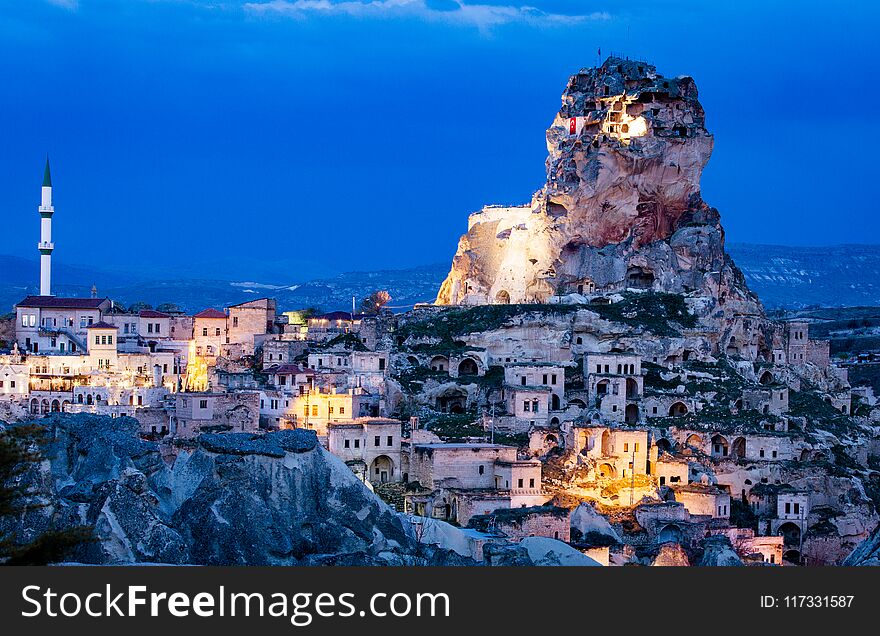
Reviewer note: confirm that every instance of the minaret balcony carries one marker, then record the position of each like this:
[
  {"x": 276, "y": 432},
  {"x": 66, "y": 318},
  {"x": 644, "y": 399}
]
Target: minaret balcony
[{"x": 45, "y": 245}]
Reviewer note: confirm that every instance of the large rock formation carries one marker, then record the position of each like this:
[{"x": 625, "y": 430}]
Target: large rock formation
[
  {"x": 233, "y": 499},
  {"x": 621, "y": 207}
]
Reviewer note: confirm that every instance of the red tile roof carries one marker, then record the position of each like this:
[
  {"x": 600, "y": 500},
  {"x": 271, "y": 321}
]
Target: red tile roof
[
  {"x": 210, "y": 313},
  {"x": 151, "y": 313},
  {"x": 55, "y": 302},
  {"x": 102, "y": 325}
]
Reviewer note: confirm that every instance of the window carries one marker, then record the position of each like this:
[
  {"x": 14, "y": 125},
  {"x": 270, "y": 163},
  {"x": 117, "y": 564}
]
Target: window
[
  {"x": 158, "y": 327},
  {"x": 625, "y": 447},
  {"x": 532, "y": 482},
  {"x": 24, "y": 320},
  {"x": 205, "y": 331},
  {"x": 235, "y": 321},
  {"x": 330, "y": 410},
  {"x": 797, "y": 508},
  {"x": 481, "y": 469},
  {"x": 149, "y": 327},
  {"x": 110, "y": 339},
  {"x": 97, "y": 340},
  {"x": 203, "y": 404},
  {"x": 357, "y": 443},
  {"x": 553, "y": 379},
  {"x": 519, "y": 483},
  {"x": 522, "y": 380},
  {"x": 391, "y": 440},
  {"x": 314, "y": 410},
  {"x": 217, "y": 331},
  {"x": 306, "y": 410},
  {"x": 544, "y": 379},
  {"x": 526, "y": 406},
  {"x": 376, "y": 441},
  {"x": 346, "y": 444},
  {"x": 761, "y": 452},
  {"x": 636, "y": 447},
  {"x": 342, "y": 410},
  {"x": 787, "y": 508}
]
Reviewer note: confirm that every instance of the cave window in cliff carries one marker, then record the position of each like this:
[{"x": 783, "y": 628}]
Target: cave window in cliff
[
  {"x": 677, "y": 410},
  {"x": 467, "y": 367},
  {"x": 766, "y": 378},
  {"x": 502, "y": 298},
  {"x": 670, "y": 534},
  {"x": 732, "y": 349},
  {"x": 720, "y": 446},
  {"x": 632, "y": 414},
  {"x": 439, "y": 363},
  {"x": 639, "y": 278},
  {"x": 602, "y": 387}
]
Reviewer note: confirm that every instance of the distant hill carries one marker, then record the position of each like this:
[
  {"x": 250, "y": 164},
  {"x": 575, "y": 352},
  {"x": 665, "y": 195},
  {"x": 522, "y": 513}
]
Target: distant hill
[
  {"x": 796, "y": 277},
  {"x": 784, "y": 277}
]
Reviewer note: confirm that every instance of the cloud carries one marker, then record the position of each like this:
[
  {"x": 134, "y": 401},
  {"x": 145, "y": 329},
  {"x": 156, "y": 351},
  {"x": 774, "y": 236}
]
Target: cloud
[{"x": 460, "y": 12}]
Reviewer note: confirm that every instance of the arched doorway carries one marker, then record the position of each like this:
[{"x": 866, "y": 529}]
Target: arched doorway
[
  {"x": 670, "y": 534},
  {"x": 64, "y": 406},
  {"x": 502, "y": 298},
  {"x": 554, "y": 402},
  {"x": 632, "y": 414},
  {"x": 720, "y": 446},
  {"x": 639, "y": 278},
  {"x": 439, "y": 363},
  {"x": 766, "y": 378},
  {"x": 738, "y": 448},
  {"x": 44, "y": 407},
  {"x": 413, "y": 361},
  {"x": 56, "y": 406},
  {"x": 632, "y": 389},
  {"x": 792, "y": 556},
  {"x": 607, "y": 449},
  {"x": 35, "y": 406},
  {"x": 607, "y": 471},
  {"x": 89, "y": 399},
  {"x": 678, "y": 409},
  {"x": 602, "y": 387},
  {"x": 694, "y": 441},
  {"x": 664, "y": 445},
  {"x": 467, "y": 367},
  {"x": 452, "y": 400},
  {"x": 381, "y": 469},
  {"x": 790, "y": 533}
]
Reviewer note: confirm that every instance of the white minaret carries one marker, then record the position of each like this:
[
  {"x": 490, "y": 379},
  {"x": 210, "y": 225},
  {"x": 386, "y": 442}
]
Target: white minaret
[{"x": 46, "y": 245}]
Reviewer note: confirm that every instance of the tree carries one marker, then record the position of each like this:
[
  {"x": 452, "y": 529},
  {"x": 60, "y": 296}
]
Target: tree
[
  {"x": 21, "y": 452},
  {"x": 168, "y": 308},
  {"x": 138, "y": 307},
  {"x": 373, "y": 303}
]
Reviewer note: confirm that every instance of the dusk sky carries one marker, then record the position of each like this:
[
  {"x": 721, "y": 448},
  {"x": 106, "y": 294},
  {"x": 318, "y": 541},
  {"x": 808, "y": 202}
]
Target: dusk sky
[{"x": 280, "y": 140}]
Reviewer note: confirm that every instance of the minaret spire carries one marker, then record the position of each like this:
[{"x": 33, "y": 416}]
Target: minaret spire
[
  {"x": 47, "y": 175},
  {"x": 45, "y": 245}
]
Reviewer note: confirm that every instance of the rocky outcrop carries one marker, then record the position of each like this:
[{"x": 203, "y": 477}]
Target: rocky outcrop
[
  {"x": 671, "y": 555},
  {"x": 234, "y": 498},
  {"x": 718, "y": 552},
  {"x": 621, "y": 207},
  {"x": 867, "y": 552}
]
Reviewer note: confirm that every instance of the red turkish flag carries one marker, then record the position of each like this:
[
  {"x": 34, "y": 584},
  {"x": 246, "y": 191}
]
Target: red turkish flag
[{"x": 572, "y": 126}]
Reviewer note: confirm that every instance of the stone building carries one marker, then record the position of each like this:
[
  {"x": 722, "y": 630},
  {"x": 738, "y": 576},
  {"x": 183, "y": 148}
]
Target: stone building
[
  {"x": 370, "y": 446},
  {"x": 209, "y": 332},
  {"x": 194, "y": 413},
  {"x": 615, "y": 385},
  {"x": 248, "y": 323},
  {"x": 51, "y": 324},
  {"x": 459, "y": 481}
]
